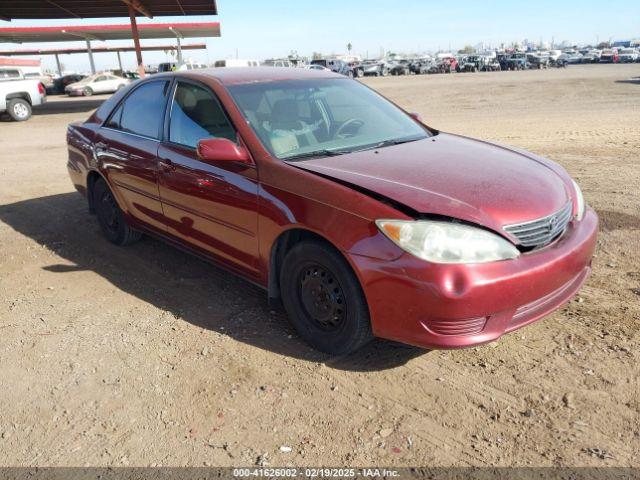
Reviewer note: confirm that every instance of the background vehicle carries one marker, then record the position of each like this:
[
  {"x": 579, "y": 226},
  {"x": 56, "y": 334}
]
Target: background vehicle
[
  {"x": 167, "y": 67},
  {"x": 348, "y": 69},
  {"x": 316, "y": 66},
  {"x": 279, "y": 62},
  {"x": 191, "y": 66},
  {"x": 19, "y": 95},
  {"x": 130, "y": 75},
  {"x": 591, "y": 56},
  {"x": 400, "y": 67},
  {"x": 421, "y": 65},
  {"x": 472, "y": 63},
  {"x": 445, "y": 64},
  {"x": 628, "y": 55},
  {"x": 538, "y": 60},
  {"x": 234, "y": 62},
  {"x": 98, "y": 83},
  {"x": 19, "y": 73},
  {"x": 517, "y": 61},
  {"x": 376, "y": 68},
  {"x": 608, "y": 56},
  {"x": 60, "y": 83}
]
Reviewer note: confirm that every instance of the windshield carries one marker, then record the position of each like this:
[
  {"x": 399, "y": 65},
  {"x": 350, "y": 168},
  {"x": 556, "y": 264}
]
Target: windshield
[{"x": 301, "y": 118}]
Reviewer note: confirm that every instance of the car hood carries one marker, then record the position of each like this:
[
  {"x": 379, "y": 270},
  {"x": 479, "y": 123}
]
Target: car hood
[{"x": 455, "y": 176}]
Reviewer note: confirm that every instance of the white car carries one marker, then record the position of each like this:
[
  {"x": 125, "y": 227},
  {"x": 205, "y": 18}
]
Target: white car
[
  {"x": 98, "y": 83},
  {"x": 628, "y": 55}
]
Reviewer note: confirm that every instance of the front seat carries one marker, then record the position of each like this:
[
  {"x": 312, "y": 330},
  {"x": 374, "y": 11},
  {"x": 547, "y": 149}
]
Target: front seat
[{"x": 287, "y": 131}]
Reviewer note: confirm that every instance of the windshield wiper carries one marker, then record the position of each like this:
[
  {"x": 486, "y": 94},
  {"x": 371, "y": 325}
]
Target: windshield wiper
[
  {"x": 316, "y": 153},
  {"x": 395, "y": 141}
]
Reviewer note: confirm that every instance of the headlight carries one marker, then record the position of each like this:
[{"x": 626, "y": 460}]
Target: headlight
[
  {"x": 579, "y": 201},
  {"x": 444, "y": 242}
]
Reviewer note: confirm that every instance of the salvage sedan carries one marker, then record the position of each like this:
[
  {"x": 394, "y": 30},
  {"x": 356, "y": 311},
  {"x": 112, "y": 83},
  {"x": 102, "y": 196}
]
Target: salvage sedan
[{"x": 350, "y": 212}]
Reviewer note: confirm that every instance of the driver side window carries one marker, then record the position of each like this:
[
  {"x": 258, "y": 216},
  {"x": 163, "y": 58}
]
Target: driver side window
[{"x": 196, "y": 114}]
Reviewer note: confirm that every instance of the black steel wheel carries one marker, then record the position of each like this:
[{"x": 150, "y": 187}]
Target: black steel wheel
[
  {"x": 323, "y": 299},
  {"x": 110, "y": 217},
  {"x": 321, "y": 296}
]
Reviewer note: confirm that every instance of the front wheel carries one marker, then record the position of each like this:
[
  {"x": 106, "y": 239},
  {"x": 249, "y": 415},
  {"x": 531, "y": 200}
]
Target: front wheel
[
  {"x": 87, "y": 92},
  {"x": 324, "y": 300},
  {"x": 110, "y": 217}
]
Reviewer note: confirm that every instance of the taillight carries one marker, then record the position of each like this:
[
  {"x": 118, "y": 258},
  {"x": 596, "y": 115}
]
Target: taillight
[{"x": 41, "y": 89}]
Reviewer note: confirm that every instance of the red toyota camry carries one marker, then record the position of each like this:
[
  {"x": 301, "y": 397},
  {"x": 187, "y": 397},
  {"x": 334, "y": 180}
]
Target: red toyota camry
[{"x": 355, "y": 216}]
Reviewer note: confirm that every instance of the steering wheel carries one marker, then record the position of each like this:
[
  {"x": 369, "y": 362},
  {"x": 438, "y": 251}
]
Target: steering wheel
[{"x": 354, "y": 123}]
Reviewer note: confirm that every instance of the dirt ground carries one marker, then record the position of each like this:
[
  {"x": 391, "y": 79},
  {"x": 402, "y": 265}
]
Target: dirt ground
[{"x": 147, "y": 356}]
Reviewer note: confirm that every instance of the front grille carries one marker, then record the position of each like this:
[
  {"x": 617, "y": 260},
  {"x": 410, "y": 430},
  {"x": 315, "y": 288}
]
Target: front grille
[{"x": 540, "y": 232}]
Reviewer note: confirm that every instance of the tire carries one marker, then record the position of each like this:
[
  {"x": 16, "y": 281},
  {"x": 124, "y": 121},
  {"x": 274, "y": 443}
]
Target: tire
[
  {"x": 359, "y": 73},
  {"x": 323, "y": 299},
  {"x": 19, "y": 109},
  {"x": 110, "y": 217},
  {"x": 87, "y": 92},
  {"x": 350, "y": 73}
]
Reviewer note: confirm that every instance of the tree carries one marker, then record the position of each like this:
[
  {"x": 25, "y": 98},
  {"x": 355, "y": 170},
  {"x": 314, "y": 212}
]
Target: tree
[
  {"x": 467, "y": 49},
  {"x": 349, "y": 47}
]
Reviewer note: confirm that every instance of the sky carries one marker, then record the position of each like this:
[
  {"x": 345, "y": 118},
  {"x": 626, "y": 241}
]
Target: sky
[{"x": 260, "y": 29}]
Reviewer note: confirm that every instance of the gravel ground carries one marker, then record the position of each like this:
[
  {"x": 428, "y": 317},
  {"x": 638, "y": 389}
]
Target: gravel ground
[{"x": 147, "y": 356}]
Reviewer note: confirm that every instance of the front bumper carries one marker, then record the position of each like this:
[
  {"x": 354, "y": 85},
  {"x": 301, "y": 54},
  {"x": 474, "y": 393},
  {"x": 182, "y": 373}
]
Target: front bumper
[{"x": 453, "y": 306}]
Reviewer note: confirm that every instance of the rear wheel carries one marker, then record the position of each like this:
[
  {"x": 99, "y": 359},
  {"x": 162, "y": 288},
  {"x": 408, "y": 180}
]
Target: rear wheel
[
  {"x": 111, "y": 218},
  {"x": 324, "y": 300},
  {"x": 19, "y": 109}
]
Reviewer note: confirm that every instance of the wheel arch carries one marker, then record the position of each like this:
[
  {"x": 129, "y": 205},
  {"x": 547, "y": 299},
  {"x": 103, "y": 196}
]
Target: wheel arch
[
  {"x": 279, "y": 249},
  {"x": 22, "y": 95},
  {"x": 92, "y": 177}
]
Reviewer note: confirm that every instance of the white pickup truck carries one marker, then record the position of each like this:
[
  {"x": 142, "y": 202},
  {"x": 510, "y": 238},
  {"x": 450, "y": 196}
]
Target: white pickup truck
[{"x": 18, "y": 95}]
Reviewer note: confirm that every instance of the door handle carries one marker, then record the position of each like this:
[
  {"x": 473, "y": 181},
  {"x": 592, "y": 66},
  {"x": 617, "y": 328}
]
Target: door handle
[{"x": 166, "y": 164}]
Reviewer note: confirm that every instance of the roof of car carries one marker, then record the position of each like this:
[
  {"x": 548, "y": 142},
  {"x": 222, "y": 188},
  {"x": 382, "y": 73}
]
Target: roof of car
[{"x": 239, "y": 75}]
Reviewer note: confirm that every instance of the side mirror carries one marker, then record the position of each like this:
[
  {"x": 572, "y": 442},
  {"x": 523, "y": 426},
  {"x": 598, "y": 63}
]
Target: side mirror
[
  {"x": 222, "y": 150},
  {"x": 416, "y": 116}
]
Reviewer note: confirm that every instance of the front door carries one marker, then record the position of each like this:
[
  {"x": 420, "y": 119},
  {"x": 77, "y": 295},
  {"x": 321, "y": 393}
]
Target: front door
[{"x": 211, "y": 205}]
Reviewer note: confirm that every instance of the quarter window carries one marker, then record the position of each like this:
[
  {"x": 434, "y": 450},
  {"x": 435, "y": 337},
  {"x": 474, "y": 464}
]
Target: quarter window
[
  {"x": 141, "y": 113},
  {"x": 196, "y": 114}
]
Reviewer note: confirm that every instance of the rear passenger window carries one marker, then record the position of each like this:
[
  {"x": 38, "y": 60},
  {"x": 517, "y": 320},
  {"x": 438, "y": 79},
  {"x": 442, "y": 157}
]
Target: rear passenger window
[
  {"x": 196, "y": 114},
  {"x": 141, "y": 113}
]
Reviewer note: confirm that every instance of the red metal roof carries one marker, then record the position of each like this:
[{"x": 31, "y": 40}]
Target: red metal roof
[
  {"x": 99, "y": 49},
  {"x": 108, "y": 32},
  {"x": 18, "y": 62},
  {"x": 43, "y": 9}
]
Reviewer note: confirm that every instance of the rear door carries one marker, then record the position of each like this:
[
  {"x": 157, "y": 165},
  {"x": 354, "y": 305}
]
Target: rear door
[
  {"x": 211, "y": 205},
  {"x": 127, "y": 149}
]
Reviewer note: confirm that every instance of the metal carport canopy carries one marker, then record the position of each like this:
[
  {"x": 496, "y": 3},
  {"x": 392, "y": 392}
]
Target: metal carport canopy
[
  {"x": 47, "y": 9},
  {"x": 108, "y": 32},
  {"x": 50, "y": 9}
]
